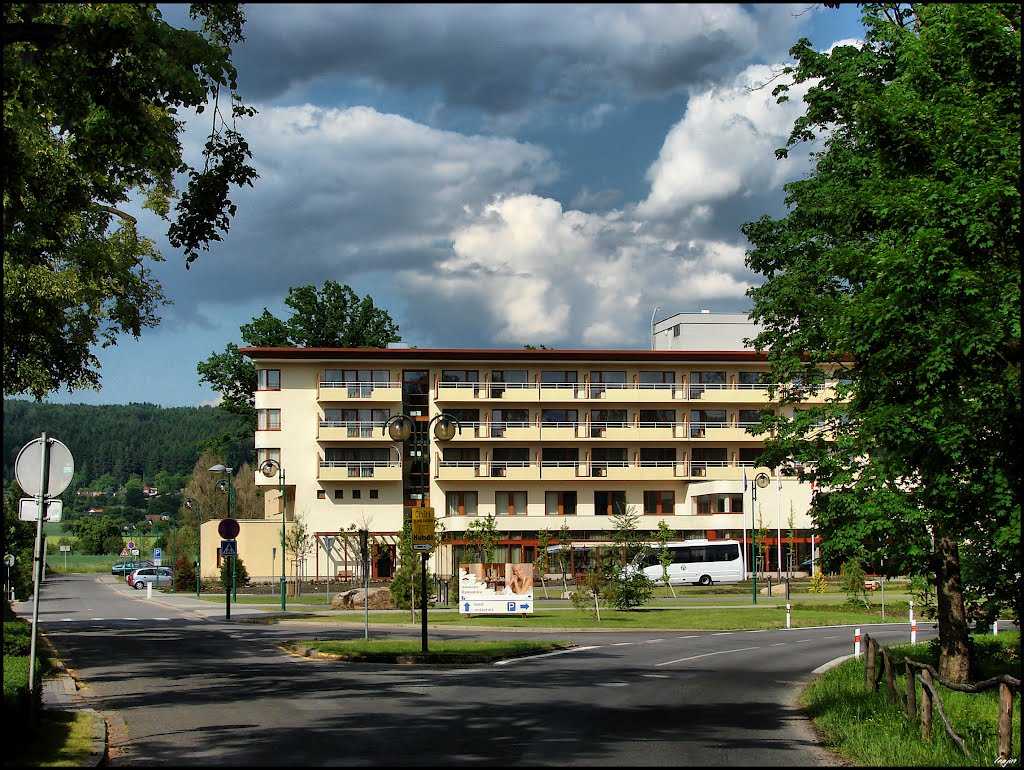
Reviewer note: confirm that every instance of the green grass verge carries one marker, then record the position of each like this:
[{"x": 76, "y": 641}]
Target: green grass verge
[
  {"x": 439, "y": 651},
  {"x": 866, "y": 728},
  {"x": 60, "y": 739}
]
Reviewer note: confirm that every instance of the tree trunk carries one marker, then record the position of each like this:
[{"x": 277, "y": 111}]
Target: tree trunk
[{"x": 954, "y": 654}]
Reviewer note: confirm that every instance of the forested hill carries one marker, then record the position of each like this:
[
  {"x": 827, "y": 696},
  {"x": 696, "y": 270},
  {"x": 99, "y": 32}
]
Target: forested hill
[{"x": 125, "y": 440}]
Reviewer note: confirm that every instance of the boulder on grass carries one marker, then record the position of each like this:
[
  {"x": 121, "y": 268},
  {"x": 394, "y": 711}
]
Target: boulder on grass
[{"x": 355, "y": 599}]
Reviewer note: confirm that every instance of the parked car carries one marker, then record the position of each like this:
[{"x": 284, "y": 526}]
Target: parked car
[
  {"x": 125, "y": 568},
  {"x": 155, "y": 575}
]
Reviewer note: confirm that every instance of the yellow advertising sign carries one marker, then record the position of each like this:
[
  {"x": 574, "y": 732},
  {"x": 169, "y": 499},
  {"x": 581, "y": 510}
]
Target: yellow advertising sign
[{"x": 423, "y": 529}]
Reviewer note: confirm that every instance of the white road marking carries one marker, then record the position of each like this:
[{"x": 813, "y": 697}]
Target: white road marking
[
  {"x": 653, "y": 641},
  {"x": 779, "y": 644},
  {"x": 622, "y": 644},
  {"x": 705, "y": 655},
  {"x": 612, "y": 684},
  {"x": 546, "y": 655},
  {"x": 686, "y": 637}
]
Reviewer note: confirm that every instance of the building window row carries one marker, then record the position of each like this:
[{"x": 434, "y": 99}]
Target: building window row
[{"x": 606, "y": 503}]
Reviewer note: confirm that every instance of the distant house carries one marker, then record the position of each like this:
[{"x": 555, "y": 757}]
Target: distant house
[
  {"x": 95, "y": 510},
  {"x": 151, "y": 491},
  {"x": 155, "y": 518}
]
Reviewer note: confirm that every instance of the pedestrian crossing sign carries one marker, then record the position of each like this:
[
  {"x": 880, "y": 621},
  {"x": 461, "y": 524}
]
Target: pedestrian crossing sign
[{"x": 228, "y": 548}]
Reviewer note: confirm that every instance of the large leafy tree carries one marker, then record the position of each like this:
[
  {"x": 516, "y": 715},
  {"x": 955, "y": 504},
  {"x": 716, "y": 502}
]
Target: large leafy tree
[
  {"x": 898, "y": 265},
  {"x": 331, "y": 317},
  {"x": 91, "y": 99}
]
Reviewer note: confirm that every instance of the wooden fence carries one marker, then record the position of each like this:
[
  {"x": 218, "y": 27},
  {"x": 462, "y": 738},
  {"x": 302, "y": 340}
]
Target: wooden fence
[{"x": 928, "y": 677}]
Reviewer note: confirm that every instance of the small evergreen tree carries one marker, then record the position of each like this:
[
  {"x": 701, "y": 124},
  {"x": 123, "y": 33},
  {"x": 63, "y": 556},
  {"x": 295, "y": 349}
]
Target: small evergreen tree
[
  {"x": 241, "y": 573},
  {"x": 665, "y": 555}
]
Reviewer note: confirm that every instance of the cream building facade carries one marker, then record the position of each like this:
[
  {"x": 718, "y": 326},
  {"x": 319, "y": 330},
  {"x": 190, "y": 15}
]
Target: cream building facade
[{"x": 545, "y": 438}]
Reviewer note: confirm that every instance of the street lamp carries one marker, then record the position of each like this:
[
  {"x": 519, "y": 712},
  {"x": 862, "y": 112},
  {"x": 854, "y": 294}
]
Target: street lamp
[
  {"x": 268, "y": 468},
  {"x": 191, "y": 502},
  {"x": 400, "y": 428},
  {"x": 760, "y": 480},
  {"x": 225, "y": 486}
]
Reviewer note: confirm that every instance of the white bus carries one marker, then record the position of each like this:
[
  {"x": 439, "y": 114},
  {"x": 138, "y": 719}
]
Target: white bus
[{"x": 697, "y": 562}]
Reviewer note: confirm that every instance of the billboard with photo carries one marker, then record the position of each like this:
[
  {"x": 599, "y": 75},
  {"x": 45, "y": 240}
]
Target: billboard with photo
[{"x": 498, "y": 588}]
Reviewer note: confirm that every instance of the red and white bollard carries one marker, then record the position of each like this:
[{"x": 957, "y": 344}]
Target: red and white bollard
[
  {"x": 913, "y": 632},
  {"x": 787, "y": 616},
  {"x": 856, "y": 643}
]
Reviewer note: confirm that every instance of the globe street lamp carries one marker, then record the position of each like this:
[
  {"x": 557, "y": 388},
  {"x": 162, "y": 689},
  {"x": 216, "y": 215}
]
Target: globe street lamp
[
  {"x": 400, "y": 428},
  {"x": 269, "y": 467},
  {"x": 191, "y": 502},
  {"x": 224, "y": 485}
]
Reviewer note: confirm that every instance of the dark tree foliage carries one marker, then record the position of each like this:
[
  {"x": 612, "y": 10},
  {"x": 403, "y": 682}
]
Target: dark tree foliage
[
  {"x": 897, "y": 269},
  {"x": 92, "y": 93},
  {"x": 331, "y": 317},
  {"x": 122, "y": 441}
]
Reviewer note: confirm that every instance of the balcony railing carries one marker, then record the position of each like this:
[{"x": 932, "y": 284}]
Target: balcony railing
[{"x": 338, "y": 430}]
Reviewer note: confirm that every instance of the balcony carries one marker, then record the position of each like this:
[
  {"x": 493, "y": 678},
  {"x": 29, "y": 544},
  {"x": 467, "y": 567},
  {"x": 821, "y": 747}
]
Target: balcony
[
  {"x": 554, "y": 392},
  {"x": 514, "y": 470},
  {"x": 344, "y": 470},
  {"x": 347, "y": 430},
  {"x": 514, "y": 431},
  {"x": 712, "y": 470},
  {"x": 562, "y": 431},
  {"x": 454, "y": 392},
  {"x": 616, "y": 430},
  {"x": 452, "y": 470},
  {"x": 562, "y": 469},
  {"x": 359, "y": 391},
  {"x": 722, "y": 393}
]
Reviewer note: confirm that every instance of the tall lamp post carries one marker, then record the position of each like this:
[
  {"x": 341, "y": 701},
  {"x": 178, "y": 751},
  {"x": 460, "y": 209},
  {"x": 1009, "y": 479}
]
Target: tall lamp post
[
  {"x": 191, "y": 502},
  {"x": 400, "y": 428},
  {"x": 268, "y": 468},
  {"x": 225, "y": 485},
  {"x": 760, "y": 480}
]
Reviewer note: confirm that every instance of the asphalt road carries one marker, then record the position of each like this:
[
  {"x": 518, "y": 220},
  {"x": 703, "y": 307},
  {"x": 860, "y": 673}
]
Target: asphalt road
[{"x": 180, "y": 686}]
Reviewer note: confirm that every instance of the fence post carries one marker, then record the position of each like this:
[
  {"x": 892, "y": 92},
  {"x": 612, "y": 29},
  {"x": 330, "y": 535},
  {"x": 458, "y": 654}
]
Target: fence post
[
  {"x": 926, "y": 705},
  {"x": 911, "y": 692},
  {"x": 870, "y": 669},
  {"x": 856, "y": 643},
  {"x": 1005, "y": 720},
  {"x": 890, "y": 685}
]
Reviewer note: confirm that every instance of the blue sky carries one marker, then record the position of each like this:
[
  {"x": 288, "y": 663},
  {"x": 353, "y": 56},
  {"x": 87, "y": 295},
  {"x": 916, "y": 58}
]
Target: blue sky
[{"x": 492, "y": 175}]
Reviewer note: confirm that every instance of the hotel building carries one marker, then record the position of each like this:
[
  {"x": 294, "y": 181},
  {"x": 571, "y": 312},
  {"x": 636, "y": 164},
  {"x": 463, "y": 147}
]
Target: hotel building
[{"x": 545, "y": 438}]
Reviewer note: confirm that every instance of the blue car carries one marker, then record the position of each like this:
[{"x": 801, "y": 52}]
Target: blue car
[{"x": 125, "y": 568}]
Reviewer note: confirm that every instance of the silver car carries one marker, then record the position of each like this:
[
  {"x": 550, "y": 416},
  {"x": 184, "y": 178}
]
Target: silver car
[{"x": 155, "y": 575}]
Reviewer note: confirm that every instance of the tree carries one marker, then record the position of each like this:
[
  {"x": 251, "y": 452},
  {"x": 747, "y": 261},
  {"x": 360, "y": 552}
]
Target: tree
[
  {"x": 482, "y": 535},
  {"x": 897, "y": 270},
  {"x": 627, "y": 588},
  {"x": 298, "y": 543},
  {"x": 564, "y": 551},
  {"x": 665, "y": 556},
  {"x": 91, "y": 99},
  {"x": 543, "y": 560},
  {"x": 331, "y": 317}
]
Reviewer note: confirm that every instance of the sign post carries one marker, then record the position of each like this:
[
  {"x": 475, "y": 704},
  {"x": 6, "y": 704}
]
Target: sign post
[
  {"x": 228, "y": 529},
  {"x": 328, "y": 545},
  {"x": 43, "y": 471},
  {"x": 423, "y": 541}
]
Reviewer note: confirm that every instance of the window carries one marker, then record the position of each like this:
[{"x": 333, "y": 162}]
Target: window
[
  {"x": 563, "y": 417},
  {"x": 700, "y": 381},
  {"x": 660, "y": 502},
  {"x": 508, "y": 418},
  {"x": 504, "y": 457},
  {"x": 749, "y": 455},
  {"x": 560, "y": 503},
  {"x": 268, "y": 419},
  {"x": 751, "y": 379},
  {"x": 332, "y": 375},
  {"x": 702, "y": 419},
  {"x": 339, "y": 494},
  {"x": 374, "y": 494},
  {"x": 559, "y": 377},
  {"x": 465, "y": 416},
  {"x": 748, "y": 417},
  {"x": 357, "y": 494},
  {"x": 708, "y": 457},
  {"x": 677, "y": 330},
  {"x": 559, "y": 454},
  {"x": 609, "y": 502},
  {"x": 460, "y": 503},
  {"x": 510, "y": 503},
  {"x": 455, "y": 454},
  {"x": 657, "y": 456},
  {"x": 599, "y": 380},
  {"x": 601, "y": 419},
  {"x": 609, "y": 455},
  {"x": 721, "y": 503},
  {"x": 460, "y": 375},
  {"x": 321, "y": 494},
  {"x": 268, "y": 379},
  {"x": 657, "y": 418},
  {"x": 262, "y": 455},
  {"x": 501, "y": 377},
  {"x": 657, "y": 378}
]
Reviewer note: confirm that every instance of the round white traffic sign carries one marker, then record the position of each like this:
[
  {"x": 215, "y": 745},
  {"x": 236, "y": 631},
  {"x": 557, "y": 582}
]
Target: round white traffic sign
[{"x": 29, "y": 465}]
